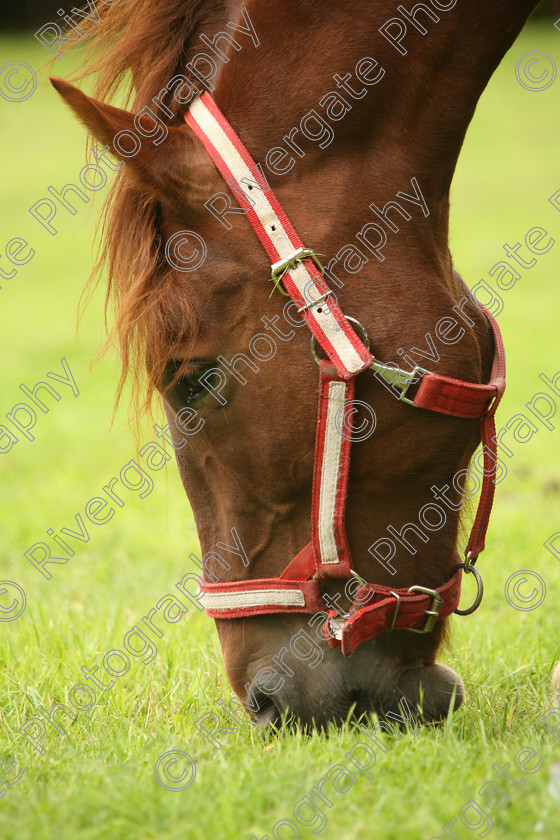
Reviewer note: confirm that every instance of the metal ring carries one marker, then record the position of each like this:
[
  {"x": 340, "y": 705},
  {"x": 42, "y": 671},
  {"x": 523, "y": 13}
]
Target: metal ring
[
  {"x": 355, "y": 574},
  {"x": 470, "y": 569},
  {"x": 362, "y": 334},
  {"x": 397, "y": 608}
]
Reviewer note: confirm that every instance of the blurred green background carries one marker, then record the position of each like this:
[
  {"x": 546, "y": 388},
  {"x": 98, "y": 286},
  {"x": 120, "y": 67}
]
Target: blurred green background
[{"x": 99, "y": 781}]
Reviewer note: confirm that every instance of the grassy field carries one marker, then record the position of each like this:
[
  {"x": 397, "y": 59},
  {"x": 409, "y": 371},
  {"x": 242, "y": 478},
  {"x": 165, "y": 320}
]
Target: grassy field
[{"x": 98, "y": 781}]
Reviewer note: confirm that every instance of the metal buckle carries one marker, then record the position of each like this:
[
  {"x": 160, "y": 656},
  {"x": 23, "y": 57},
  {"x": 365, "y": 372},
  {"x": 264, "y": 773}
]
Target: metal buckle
[
  {"x": 278, "y": 269},
  {"x": 280, "y": 266},
  {"x": 399, "y": 379},
  {"x": 432, "y": 614}
]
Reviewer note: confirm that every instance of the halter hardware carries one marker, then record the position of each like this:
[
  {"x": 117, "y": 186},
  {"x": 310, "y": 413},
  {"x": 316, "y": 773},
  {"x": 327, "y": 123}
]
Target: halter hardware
[
  {"x": 432, "y": 614},
  {"x": 316, "y": 302},
  {"x": 400, "y": 379},
  {"x": 335, "y": 627},
  {"x": 299, "y": 589},
  {"x": 359, "y": 327},
  {"x": 397, "y": 608},
  {"x": 468, "y": 567},
  {"x": 282, "y": 267}
]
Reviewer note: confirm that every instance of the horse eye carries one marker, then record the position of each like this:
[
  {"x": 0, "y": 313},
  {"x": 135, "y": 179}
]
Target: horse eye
[{"x": 187, "y": 389}]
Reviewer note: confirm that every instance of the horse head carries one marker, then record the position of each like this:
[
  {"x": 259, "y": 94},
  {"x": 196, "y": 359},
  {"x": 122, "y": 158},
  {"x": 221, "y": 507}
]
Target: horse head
[{"x": 363, "y": 180}]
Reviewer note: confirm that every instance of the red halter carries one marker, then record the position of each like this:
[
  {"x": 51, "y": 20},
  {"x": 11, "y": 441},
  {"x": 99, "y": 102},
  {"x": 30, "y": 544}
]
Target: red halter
[{"x": 327, "y": 556}]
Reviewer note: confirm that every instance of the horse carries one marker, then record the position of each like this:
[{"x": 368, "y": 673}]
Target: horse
[{"x": 349, "y": 117}]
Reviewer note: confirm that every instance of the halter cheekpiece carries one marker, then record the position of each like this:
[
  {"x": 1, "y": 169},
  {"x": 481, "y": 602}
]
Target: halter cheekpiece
[{"x": 327, "y": 556}]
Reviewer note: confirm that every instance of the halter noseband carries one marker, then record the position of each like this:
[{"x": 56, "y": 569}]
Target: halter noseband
[{"x": 327, "y": 556}]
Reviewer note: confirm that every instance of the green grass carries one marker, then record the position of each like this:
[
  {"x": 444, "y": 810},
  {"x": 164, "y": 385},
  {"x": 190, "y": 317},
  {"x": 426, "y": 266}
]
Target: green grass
[{"x": 99, "y": 781}]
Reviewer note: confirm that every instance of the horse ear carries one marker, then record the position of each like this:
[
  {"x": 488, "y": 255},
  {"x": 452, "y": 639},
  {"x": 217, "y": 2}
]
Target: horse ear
[{"x": 148, "y": 165}]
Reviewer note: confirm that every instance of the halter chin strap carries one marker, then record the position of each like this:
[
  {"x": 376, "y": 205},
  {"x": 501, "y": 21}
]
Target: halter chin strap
[{"x": 299, "y": 588}]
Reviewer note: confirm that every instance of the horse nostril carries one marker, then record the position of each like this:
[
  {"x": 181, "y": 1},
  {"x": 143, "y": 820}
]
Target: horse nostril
[{"x": 268, "y": 715}]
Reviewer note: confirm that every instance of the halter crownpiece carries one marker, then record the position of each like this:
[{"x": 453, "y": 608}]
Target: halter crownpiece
[{"x": 327, "y": 556}]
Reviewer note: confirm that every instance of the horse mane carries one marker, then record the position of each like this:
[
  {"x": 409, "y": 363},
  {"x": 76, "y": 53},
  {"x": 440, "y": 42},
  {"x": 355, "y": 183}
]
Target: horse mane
[
  {"x": 132, "y": 52},
  {"x": 144, "y": 44}
]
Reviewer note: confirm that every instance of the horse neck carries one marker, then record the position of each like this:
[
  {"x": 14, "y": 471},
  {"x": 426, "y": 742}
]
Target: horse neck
[{"x": 412, "y": 122}]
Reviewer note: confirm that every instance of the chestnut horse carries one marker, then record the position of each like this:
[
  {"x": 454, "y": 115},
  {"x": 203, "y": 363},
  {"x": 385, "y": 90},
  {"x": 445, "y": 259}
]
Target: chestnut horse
[{"x": 348, "y": 106}]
